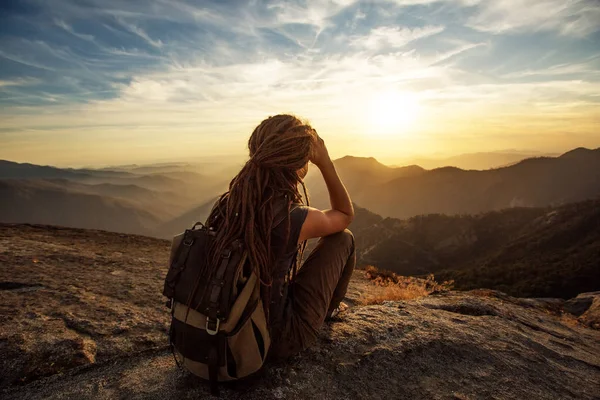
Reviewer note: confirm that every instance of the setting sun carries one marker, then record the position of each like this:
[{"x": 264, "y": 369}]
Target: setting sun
[{"x": 392, "y": 113}]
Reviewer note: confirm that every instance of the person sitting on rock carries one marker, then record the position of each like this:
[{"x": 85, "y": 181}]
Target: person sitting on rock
[{"x": 297, "y": 298}]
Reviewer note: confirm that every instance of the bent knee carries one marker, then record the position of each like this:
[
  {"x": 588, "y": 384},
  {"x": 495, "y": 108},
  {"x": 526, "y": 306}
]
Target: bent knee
[
  {"x": 348, "y": 235},
  {"x": 345, "y": 238}
]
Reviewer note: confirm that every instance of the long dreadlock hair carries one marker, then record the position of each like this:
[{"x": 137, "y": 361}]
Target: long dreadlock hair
[{"x": 279, "y": 147}]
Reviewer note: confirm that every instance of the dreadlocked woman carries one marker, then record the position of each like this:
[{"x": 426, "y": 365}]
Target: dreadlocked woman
[{"x": 297, "y": 299}]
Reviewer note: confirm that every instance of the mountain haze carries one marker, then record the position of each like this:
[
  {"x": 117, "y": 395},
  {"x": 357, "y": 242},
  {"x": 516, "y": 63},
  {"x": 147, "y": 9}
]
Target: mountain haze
[
  {"x": 179, "y": 224},
  {"x": 151, "y": 195},
  {"x": 43, "y": 202},
  {"x": 359, "y": 175},
  {"x": 534, "y": 182},
  {"x": 176, "y": 195}
]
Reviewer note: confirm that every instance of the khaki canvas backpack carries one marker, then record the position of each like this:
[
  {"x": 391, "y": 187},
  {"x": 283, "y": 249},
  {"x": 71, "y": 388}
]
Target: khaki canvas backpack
[{"x": 218, "y": 329}]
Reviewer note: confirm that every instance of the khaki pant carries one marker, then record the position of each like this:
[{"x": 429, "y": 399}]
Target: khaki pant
[{"x": 319, "y": 287}]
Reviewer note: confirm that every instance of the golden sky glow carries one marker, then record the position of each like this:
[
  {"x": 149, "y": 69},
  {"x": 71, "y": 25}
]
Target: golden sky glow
[{"x": 116, "y": 85}]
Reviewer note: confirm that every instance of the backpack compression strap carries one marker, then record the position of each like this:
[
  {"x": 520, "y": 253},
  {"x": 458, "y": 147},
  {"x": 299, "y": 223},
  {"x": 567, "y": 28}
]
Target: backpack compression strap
[{"x": 214, "y": 359}]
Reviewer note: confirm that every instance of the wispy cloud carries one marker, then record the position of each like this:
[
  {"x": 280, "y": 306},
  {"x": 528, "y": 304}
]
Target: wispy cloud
[
  {"x": 136, "y": 30},
  {"x": 573, "y": 18},
  {"x": 460, "y": 49},
  {"x": 18, "y": 82},
  {"x": 393, "y": 36},
  {"x": 312, "y": 12},
  {"x": 69, "y": 28},
  {"x": 24, "y": 60},
  {"x": 587, "y": 69}
]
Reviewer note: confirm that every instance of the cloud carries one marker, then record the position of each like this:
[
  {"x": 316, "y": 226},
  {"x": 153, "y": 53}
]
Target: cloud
[
  {"x": 447, "y": 55},
  {"x": 69, "y": 28},
  {"x": 313, "y": 12},
  {"x": 19, "y": 82},
  {"x": 316, "y": 86},
  {"x": 394, "y": 37},
  {"x": 576, "y": 18},
  {"x": 587, "y": 69},
  {"x": 27, "y": 60},
  {"x": 204, "y": 95},
  {"x": 136, "y": 30}
]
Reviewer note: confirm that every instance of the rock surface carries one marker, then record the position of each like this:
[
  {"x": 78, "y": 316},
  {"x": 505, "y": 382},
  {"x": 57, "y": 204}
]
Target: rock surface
[
  {"x": 86, "y": 320},
  {"x": 71, "y": 297},
  {"x": 591, "y": 317}
]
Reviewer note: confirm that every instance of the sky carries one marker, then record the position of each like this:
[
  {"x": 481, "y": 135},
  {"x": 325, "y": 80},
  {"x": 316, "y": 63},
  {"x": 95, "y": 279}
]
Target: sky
[{"x": 101, "y": 82}]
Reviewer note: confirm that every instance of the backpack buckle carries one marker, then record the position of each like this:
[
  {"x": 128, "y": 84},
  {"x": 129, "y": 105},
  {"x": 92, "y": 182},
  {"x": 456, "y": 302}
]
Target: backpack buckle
[
  {"x": 216, "y": 323},
  {"x": 188, "y": 242}
]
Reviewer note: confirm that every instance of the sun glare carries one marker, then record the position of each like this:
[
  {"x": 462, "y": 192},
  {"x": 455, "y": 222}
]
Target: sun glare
[{"x": 392, "y": 113}]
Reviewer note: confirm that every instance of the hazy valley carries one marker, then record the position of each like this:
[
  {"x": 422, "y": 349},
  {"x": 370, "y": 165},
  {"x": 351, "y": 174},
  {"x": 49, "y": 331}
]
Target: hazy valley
[{"x": 162, "y": 200}]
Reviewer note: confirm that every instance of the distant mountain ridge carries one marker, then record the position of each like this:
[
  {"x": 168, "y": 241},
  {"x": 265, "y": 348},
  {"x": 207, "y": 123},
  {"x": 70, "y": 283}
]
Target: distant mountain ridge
[
  {"x": 479, "y": 160},
  {"x": 10, "y": 169},
  {"x": 156, "y": 193},
  {"x": 31, "y": 201},
  {"x": 534, "y": 182},
  {"x": 359, "y": 174}
]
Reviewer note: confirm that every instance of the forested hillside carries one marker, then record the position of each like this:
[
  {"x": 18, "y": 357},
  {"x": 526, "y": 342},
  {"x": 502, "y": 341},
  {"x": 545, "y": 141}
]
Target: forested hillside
[{"x": 540, "y": 252}]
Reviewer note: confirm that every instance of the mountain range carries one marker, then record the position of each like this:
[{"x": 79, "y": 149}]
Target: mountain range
[
  {"x": 132, "y": 199},
  {"x": 480, "y": 160},
  {"x": 48, "y": 202},
  {"x": 529, "y": 229},
  {"x": 403, "y": 192}
]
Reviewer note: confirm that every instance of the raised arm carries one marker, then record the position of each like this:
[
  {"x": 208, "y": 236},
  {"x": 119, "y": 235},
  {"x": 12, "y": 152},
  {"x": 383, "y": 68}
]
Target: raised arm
[{"x": 320, "y": 223}]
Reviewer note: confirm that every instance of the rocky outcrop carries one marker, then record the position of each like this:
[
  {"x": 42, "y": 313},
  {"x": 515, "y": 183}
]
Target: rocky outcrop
[
  {"x": 586, "y": 306},
  {"x": 75, "y": 297},
  {"x": 105, "y": 337}
]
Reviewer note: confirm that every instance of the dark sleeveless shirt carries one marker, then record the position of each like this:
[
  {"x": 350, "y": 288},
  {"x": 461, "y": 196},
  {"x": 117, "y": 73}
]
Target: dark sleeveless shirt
[{"x": 285, "y": 251}]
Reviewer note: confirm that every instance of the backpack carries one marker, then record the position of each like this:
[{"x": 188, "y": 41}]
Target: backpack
[{"x": 219, "y": 332}]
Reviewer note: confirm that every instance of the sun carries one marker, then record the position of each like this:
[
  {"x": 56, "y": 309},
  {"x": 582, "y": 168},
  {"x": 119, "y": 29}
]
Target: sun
[{"x": 392, "y": 113}]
